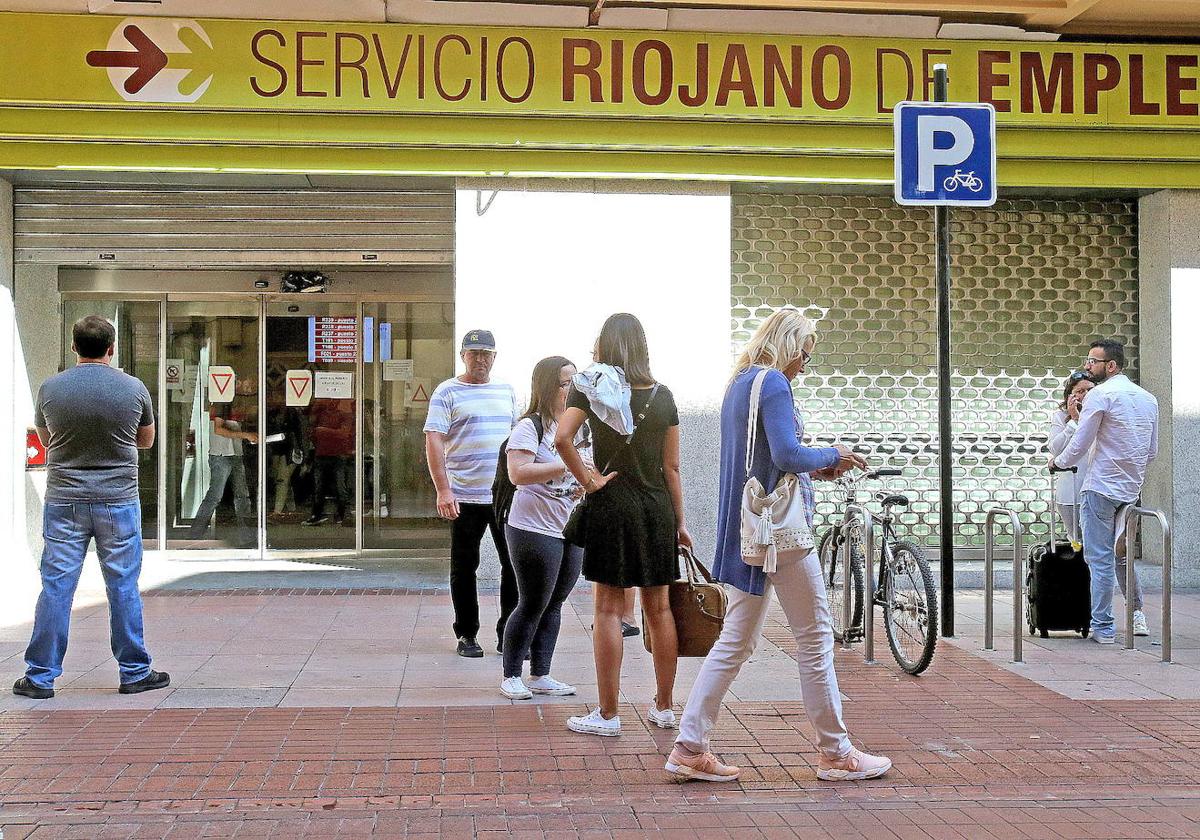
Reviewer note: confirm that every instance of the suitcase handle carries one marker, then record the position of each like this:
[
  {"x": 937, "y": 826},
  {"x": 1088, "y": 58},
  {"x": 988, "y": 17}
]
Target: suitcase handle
[{"x": 1054, "y": 517}]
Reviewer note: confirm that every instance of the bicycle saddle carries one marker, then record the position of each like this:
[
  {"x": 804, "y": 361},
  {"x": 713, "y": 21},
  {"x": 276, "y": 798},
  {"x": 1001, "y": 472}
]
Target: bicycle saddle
[{"x": 894, "y": 500}]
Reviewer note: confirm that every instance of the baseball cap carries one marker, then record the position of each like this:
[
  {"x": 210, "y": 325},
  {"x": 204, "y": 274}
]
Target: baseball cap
[{"x": 479, "y": 340}]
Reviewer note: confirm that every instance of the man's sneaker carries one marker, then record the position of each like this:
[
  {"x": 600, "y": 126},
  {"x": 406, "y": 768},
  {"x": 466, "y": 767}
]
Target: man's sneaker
[
  {"x": 153, "y": 680},
  {"x": 514, "y": 689},
  {"x": 664, "y": 719},
  {"x": 1140, "y": 627},
  {"x": 594, "y": 723},
  {"x": 549, "y": 685},
  {"x": 25, "y": 688},
  {"x": 1104, "y": 639},
  {"x": 628, "y": 629},
  {"x": 855, "y": 767},
  {"x": 315, "y": 520},
  {"x": 703, "y": 768},
  {"x": 468, "y": 647}
]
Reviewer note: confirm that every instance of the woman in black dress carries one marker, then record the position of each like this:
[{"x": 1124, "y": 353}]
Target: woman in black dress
[{"x": 634, "y": 524}]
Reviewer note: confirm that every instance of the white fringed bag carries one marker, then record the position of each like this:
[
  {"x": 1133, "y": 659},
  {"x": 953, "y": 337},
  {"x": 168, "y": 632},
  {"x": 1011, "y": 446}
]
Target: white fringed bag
[{"x": 774, "y": 524}]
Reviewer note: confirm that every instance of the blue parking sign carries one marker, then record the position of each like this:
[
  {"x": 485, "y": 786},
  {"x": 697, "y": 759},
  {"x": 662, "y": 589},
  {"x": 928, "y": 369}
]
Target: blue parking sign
[{"x": 945, "y": 153}]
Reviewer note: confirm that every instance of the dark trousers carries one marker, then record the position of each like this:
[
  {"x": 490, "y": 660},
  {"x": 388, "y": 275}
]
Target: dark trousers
[
  {"x": 466, "y": 532},
  {"x": 332, "y": 472},
  {"x": 546, "y": 570}
]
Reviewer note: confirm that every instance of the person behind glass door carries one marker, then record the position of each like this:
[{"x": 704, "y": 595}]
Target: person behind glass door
[
  {"x": 286, "y": 455},
  {"x": 469, "y": 418},
  {"x": 333, "y": 444},
  {"x": 782, "y": 345},
  {"x": 226, "y": 465},
  {"x": 92, "y": 419},
  {"x": 545, "y": 564},
  {"x": 634, "y": 525}
]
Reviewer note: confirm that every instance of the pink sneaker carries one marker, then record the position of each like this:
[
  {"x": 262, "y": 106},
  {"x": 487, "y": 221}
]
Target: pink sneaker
[
  {"x": 855, "y": 767},
  {"x": 703, "y": 768}
]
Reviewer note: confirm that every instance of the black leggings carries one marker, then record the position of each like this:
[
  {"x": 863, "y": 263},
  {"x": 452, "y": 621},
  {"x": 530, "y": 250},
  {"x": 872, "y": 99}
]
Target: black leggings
[{"x": 546, "y": 569}]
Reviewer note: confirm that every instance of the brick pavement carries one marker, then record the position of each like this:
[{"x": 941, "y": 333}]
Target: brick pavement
[{"x": 980, "y": 753}]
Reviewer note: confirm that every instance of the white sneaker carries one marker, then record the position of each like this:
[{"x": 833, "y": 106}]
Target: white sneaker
[
  {"x": 549, "y": 685},
  {"x": 594, "y": 723},
  {"x": 1140, "y": 627},
  {"x": 514, "y": 689},
  {"x": 664, "y": 719}
]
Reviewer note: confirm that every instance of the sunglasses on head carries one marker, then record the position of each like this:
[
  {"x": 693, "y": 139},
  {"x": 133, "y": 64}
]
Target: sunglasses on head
[{"x": 1078, "y": 375}]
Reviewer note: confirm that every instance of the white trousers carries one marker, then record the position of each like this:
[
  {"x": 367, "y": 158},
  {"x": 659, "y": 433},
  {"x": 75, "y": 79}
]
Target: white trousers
[{"x": 802, "y": 595}]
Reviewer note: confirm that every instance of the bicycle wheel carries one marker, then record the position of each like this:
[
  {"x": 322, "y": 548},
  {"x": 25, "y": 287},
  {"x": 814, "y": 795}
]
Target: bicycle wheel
[
  {"x": 910, "y": 611},
  {"x": 832, "y": 575}
]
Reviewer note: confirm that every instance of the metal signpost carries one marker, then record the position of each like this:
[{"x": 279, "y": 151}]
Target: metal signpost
[{"x": 945, "y": 154}]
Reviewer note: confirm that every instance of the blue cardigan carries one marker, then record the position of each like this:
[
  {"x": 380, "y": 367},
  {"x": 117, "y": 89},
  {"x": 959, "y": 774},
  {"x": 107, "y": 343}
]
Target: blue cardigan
[{"x": 777, "y": 450}]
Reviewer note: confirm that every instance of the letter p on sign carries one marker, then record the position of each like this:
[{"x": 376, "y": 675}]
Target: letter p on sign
[{"x": 945, "y": 153}]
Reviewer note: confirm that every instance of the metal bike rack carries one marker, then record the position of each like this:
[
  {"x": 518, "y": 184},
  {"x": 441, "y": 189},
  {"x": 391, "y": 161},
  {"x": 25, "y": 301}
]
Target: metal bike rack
[
  {"x": 1139, "y": 513},
  {"x": 868, "y": 522},
  {"x": 989, "y": 584}
]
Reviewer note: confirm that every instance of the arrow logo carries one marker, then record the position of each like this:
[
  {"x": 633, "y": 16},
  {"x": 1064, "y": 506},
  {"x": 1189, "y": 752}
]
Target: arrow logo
[
  {"x": 146, "y": 59},
  {"x": 157, "y": 60}
]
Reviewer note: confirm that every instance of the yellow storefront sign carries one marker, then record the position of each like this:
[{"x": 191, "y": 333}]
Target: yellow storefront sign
[{"x": 251, "y": 80}]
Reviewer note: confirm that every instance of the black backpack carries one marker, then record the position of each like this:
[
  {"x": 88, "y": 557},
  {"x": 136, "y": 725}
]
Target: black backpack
[{"x": 503, "y": 489}]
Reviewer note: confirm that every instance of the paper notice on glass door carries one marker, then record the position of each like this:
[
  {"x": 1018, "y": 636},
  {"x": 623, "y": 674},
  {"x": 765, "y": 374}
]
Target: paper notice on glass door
[
  {"x": 398, "y": 370},
  {"x": 333, "y": 386}
]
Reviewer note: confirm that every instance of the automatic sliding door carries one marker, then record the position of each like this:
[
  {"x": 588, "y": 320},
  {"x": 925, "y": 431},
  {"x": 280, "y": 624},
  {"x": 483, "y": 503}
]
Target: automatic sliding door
[
  {"x": 311, "y": 429},
  {"x": 211, "y": 435},
  {"x": 136, "y": 353},
  {"x": 409, "y": 350}
]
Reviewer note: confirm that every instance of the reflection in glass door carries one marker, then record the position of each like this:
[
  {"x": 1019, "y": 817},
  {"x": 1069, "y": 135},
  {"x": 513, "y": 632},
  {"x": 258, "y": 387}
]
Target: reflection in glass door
[
  {"x": 311, "y": 431},
  {"x": 405, "y": 357},
  {"x": 211, "y": 434}
]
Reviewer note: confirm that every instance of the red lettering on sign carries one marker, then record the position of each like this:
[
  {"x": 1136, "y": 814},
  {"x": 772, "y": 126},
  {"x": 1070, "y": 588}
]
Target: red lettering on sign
[
  {"x": 1096, "y": 82},
  {"x": 880, "y": 86},
  {"x": 1177, "y": 84},
  {"x": 990, "y": 78},
  {"x": 839, "y": 99},
  {"x": 589, "y": 68},
  {"x": 1047, "y": 87}
]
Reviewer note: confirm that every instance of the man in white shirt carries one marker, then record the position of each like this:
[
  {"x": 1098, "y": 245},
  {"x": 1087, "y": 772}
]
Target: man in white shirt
[{"x": 1119, "y": 427}]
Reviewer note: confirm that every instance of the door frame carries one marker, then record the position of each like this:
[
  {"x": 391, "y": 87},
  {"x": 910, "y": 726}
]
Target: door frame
[{"x": 173, "y": 286}]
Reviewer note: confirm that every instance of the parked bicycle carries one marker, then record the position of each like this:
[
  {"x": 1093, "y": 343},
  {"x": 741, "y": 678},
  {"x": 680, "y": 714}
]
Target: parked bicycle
[{"x": 905, "y": 587}]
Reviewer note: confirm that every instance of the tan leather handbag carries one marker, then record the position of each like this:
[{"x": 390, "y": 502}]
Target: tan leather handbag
[{"x": 698, "y": 604}]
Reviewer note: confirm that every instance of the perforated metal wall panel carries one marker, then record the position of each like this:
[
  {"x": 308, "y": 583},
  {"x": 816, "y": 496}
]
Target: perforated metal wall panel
[
  {"x": 1034, "y": 282},
  {"x": 157, "y": 226}
]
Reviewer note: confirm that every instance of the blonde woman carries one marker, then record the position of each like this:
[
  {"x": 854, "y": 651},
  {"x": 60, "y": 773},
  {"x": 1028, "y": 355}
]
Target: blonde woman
[{"x": 783, "y": 344}]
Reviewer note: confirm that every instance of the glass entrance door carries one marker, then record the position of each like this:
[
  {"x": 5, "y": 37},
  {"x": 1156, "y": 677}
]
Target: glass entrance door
[
  {"x": 212, "y": 422},
  {"x": 287, "y": 423},
  {"x": 312, "y": 458}
]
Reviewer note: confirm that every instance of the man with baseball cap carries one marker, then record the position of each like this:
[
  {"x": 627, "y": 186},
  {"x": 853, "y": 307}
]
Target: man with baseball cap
[{"x": 469, "y": 418}]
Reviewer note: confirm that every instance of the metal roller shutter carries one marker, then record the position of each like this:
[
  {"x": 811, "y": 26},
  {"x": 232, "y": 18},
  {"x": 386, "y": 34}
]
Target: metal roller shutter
[{"x": 221, "y": 227}]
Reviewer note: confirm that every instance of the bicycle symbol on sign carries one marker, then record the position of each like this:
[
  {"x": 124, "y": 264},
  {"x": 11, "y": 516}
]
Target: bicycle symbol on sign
[{"x": 964, "y": 179}]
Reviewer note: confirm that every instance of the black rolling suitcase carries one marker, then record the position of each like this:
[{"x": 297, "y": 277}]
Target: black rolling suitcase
[{"x": 1058, "y": 585}]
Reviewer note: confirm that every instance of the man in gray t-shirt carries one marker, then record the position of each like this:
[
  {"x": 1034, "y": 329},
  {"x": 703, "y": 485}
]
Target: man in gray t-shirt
[{"x": 92, "y": 419}]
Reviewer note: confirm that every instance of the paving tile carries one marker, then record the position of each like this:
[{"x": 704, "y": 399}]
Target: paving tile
[
  {"x": 341, "y": 697},
  {"x": 236, "y": 698}
]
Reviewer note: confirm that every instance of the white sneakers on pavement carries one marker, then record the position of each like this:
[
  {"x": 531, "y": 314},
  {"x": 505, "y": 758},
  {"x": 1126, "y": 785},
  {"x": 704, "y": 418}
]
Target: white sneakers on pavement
[
  {"x": 1140, "y": 627},
  {"x": 549, "y": 685},
  {"x": 515, "y": 689},
  {"x": 856, "y": 766},
  {"x": 594, "y": 723},
  {"x": 662, "y": 718}
]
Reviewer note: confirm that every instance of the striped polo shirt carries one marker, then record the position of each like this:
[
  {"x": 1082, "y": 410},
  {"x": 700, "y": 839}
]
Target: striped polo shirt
[{"x": 475, "y": 420}]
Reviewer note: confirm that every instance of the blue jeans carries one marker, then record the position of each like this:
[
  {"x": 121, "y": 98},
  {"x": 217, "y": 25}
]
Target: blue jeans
[
  {"x": 68, "y": 528},
  {"x": 222, "y": 469},
  {"x": 1098, "y": 516}
]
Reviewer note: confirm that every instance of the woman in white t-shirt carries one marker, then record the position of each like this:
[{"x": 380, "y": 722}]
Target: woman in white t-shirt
[
  {"x": 546, "y": 566},
  {"x": 1063, "y": 423}
]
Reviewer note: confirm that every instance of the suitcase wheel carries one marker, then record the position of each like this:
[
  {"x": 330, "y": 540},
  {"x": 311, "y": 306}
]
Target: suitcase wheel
[
  {"x": 1083, "y": 632},
  {"x": 1045, "y": 633}
]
